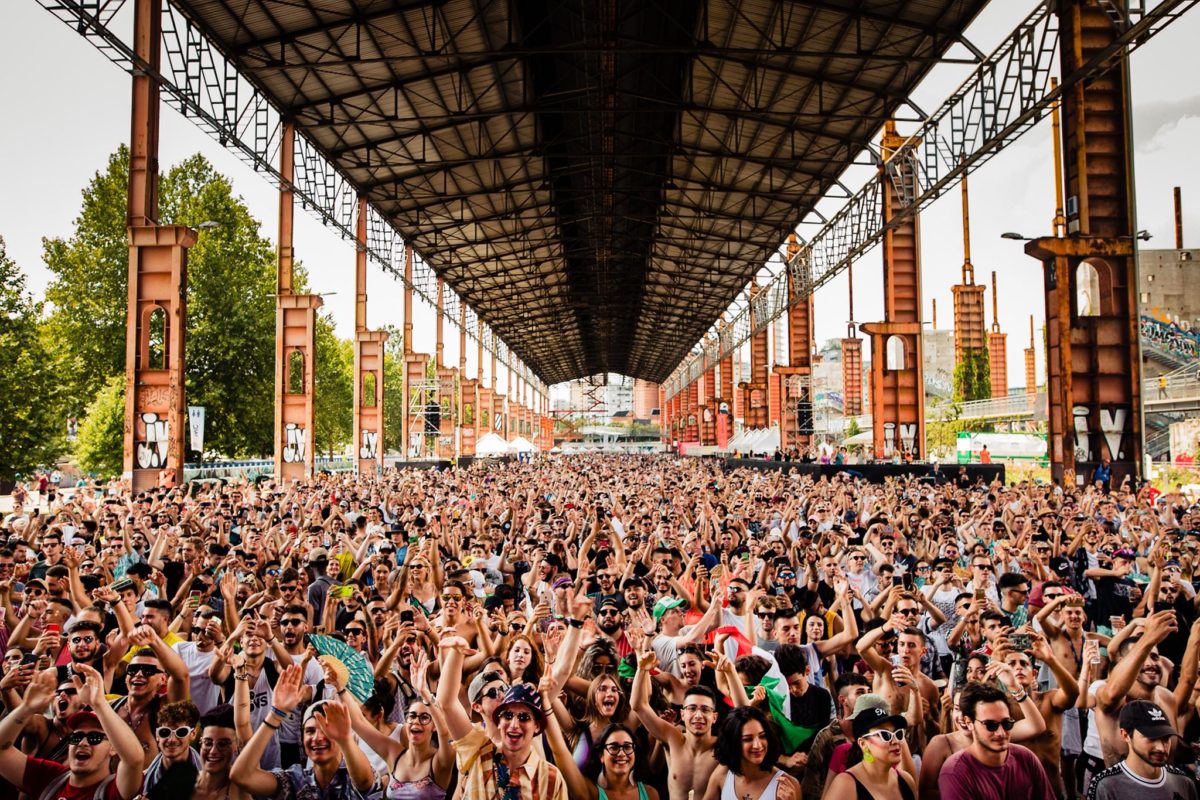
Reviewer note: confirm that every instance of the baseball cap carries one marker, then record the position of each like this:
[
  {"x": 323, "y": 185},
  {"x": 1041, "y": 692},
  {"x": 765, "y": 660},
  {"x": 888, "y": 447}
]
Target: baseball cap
[
  {"x": 318, "y": 554},
  {"x": 480, "y": 682},
  {"x": 1147, "y": 719},
  {"x": 873, "y": 715},
  {"x": 664, "y": 605},
  {"x": 1125, "y": 553},
  {"x": 83, "y": 719}
]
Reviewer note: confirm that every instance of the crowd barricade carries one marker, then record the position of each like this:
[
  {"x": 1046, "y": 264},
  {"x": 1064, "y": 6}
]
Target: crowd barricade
[{"x": 876, "y": 473}]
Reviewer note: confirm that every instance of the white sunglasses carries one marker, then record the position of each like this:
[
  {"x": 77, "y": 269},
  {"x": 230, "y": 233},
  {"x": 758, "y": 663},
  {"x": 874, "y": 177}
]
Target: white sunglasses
[{"x": 886, "y": 736}]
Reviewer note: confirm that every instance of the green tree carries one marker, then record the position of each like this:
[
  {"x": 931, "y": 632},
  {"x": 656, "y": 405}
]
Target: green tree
[
  {"x": 30, "y": 427},
  {"x": 853, "y": 428},
  {"x": 101, "y": 440},
  {"x": 231, "y": 310},
  {"x": 88, "y": 293},
  {"x": 393, "y": 391},
  {"x": 231, "y": 315},
  {"x": 973, "y": 375},
  {"x": 334, "y": 390}
]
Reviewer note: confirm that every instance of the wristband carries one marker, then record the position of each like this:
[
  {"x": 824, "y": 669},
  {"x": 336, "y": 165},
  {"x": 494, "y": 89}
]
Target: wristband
[
  {"x": 1021, "y": 698},
  {"x": 281, "y": 714},
  {"x": 272, "y": 727},
  {"x": 575, "y": 623}
]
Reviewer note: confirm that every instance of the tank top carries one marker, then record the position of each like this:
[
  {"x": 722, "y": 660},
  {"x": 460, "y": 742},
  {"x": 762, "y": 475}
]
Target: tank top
[
  {"x": 421, "y": 789},
  {"x": 863, "y": 793},
  {"x": 640, "y": 787},
  {"x": 769, "y": 793}
]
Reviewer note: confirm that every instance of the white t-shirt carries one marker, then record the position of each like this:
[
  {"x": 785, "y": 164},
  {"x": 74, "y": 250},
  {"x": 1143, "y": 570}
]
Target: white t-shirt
[{"x": 205, "y": 694}]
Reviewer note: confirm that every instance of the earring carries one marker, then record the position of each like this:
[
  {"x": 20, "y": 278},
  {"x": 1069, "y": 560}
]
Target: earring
[{"x": 868, "y": 757}]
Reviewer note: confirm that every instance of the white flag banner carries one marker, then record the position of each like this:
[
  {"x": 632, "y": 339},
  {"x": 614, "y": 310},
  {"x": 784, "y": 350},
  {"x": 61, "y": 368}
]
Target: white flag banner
[{"x": 196, "y": 427}]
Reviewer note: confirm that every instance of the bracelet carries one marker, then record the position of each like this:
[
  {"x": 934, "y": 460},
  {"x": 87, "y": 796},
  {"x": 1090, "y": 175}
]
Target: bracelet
[
  {"x": 575, "y": 623},
  {"x": 241, "y": 676},
  {"x": 1020, "y": 699},
  {"x": 281, "y": 714},
  {"x": 272, "y": 727}
]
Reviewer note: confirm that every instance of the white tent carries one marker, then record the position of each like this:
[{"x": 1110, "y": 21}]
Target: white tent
[
  {"x": 521, "y": 445},
  {"x": 491, "y": 444}
]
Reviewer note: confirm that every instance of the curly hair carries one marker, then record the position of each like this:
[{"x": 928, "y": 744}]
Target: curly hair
[{"x": 182, "y": 712}]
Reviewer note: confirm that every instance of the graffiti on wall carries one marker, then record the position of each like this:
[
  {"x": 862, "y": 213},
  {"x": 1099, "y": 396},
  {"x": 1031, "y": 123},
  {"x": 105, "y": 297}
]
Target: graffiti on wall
[
  {"x": 295, "y": 443},
  {"x": 152, "y": 449},
  {"x": 1112, "y": 431},
  {"x": 370, "y": 444}
]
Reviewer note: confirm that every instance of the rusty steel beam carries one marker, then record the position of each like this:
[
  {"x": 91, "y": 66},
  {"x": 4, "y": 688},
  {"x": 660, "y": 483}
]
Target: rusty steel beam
[
  {"x": 369, "y": 356},
  {"x": 1093, "y": 364},
  {"x": 897, "y": 387}
]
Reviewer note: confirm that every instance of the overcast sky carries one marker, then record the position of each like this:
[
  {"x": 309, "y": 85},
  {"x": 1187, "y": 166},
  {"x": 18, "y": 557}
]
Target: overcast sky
[{"x": 67, "y": 108}]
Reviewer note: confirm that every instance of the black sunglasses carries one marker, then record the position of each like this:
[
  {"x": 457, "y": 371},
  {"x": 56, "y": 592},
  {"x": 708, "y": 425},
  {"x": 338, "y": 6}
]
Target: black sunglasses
[
  {"x": 149, "y": 670},
  {"x": 495, "y": 692},
  {"x": 93, "y": 738},
  {"x": 995, "y": 724}
]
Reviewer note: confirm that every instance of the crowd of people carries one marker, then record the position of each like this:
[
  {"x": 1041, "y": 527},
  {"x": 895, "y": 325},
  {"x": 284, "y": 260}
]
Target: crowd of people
[{"x": 600, "y": 627}]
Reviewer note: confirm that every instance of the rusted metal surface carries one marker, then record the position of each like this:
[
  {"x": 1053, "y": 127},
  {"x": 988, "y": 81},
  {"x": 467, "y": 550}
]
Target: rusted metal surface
[
  {"x": 1093, "y": 367},
  {"x": 295, "y": 368},
  {"x": 997, "y": 348},
  {"x": 897, "y": 388},
  {"x": 852, "y": 376},
  {"x": 368, "y": 366},
  {"x": 708, "y": 408},
  {"x": 800, "y": 343}
]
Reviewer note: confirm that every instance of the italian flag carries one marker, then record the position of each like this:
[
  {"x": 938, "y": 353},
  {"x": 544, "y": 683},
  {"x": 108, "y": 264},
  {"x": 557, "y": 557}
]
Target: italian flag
[{"x": 792, "y": 735}]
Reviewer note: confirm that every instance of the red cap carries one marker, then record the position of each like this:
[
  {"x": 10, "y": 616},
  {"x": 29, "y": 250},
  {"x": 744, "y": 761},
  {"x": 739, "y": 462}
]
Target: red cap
[{"x": 83, "y": 719}]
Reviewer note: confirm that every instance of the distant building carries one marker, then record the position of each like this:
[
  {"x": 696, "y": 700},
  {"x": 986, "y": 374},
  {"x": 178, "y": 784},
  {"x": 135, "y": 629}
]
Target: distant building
[
  {"x": 1167, "y": 286},
  {"x": 645, "y": 398}
]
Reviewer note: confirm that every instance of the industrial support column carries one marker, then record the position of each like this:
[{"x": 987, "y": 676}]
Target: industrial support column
[
  {"x": 754, "y": 391},
  {"x": 447, "y": 379},
  {"x": 1093, "y": 365},
  {"x": 416, "y": 394},
  {"x": 725, "y": 395},
  {"x": 997, "y": 343},
  {"x": 156, "y": 326},
  {"x": 708, "y": 408},
  {"x": 295, "y": 342},
  {"x": 796, "y": 426},
  {"x": 897, "y": 384},
  {"x": 483, "y": 394},
  {"x": 466, "y": 391},
  {"x": 1030, "y": 363},
  {"x": 368, "y": 365}
]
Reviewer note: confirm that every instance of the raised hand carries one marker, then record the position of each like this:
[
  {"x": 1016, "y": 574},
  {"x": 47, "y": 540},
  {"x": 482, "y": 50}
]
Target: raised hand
[
  {"x": 287, "y": 689},
  {"x": 41, "y": 689},
  {"x": 334, "y": 723},
  {"x": 88, "y": 683},
  {"x": 647, "y": 661}
]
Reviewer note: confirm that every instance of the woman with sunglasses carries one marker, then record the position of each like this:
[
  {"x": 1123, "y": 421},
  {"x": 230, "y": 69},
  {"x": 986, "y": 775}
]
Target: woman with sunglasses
[
  {"x": 421, "y": 767},
  {"x": 875, "y": 759}
]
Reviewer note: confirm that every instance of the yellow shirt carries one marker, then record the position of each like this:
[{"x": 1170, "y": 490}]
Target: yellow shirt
[
  {"x": 171, "y": 640},
  {"x": 537, "y": 778}
]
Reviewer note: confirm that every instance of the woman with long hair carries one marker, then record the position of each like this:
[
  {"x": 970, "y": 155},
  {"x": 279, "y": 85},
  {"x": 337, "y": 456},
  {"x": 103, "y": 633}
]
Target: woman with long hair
[
  {"x": 606, "y": 704},
  {"x": 523, "y": 659},
  {"x": 746, "y": 750},
  {"x": 611, "y": 769}
]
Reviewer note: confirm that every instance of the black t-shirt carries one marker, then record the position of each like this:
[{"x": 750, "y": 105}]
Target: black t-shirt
[
  {"x": 1112, "y": 598},
  {"x": 173, "y": 570},
  {"x": 813, "y": 709}
]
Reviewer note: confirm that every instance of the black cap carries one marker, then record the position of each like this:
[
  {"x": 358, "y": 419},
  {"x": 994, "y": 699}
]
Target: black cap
[
  {"x": 1147, "y": 719},
  {"x": 868, "y": 719}
]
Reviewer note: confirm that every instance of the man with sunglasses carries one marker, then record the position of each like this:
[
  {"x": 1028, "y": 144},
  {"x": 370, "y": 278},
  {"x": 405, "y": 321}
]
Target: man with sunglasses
[
  {"x": 94, "y": 738},
  {"x": 46, "y": 737},
  {"x": 992, "y": 767},
  {"x": 145, "y": 678},
  {"x": 177, "y": 765},
  {"x": 207, "y": 634}
]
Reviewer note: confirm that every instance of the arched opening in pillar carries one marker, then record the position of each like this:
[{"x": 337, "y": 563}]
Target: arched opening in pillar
[
  {"x": 1093, "y": 288},
  {"x": 295, "y": 372},
  {"x": 895, "y": 352},
  {"x": 369, "y": 393},
  {"x": 468, "y": 414},
  {"x": 156, "y": 338}
]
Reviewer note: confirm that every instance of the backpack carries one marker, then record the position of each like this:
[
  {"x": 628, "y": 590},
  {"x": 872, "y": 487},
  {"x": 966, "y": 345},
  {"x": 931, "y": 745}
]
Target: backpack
[{"x": 58, "y": 784}]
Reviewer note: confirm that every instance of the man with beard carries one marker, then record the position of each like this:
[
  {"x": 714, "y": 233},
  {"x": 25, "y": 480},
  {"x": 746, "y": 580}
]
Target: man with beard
[
  {"x": 633, "y": 589},
  {"x": 611, "y": 622},
  {"x": 85, "y": 645},
  {"x": 47, "y": 737},
  {"x": 1052, "y": 704},
  {"x": 1137, "y": 675},
  {"x": 394, "y": 669},
  {"x": 991, "y": 768},
  {"x": 95, "y": 738},
  {"x": 259, "y": 673},
  {"x": 1145, "y": 773},
  {"x": 849, "y": 687},
  {"x": 690, "y": 759},
  {"x": 327, "y": 741},
  {"x": 198, "y": 653}
]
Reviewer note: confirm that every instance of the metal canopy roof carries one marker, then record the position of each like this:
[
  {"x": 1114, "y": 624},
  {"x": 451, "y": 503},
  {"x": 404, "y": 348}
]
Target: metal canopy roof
[{"x": 598, "y": 179}]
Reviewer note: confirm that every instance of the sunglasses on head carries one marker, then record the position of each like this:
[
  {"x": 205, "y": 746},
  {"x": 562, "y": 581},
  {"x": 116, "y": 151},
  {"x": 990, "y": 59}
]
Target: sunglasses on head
[
  {"x": 93, "y": 738},
  {"x": 993, "y": 725},
  {"x": 182, "y": 732},
  {"x": 886, "y": 736}
]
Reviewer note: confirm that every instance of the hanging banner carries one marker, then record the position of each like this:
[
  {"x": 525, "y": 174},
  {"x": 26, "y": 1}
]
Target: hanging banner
[{"x": 196, "y": 427}]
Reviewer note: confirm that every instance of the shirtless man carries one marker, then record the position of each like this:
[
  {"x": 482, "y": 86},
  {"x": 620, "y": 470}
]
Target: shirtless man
[
  {"x": 1062, "y": 621},
  {"x": 910, "y": 646},
  {"x": 1047, "y": 746},
  {"x": 1137, "y": 675},
  {"x": 690, "y": 759}
]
